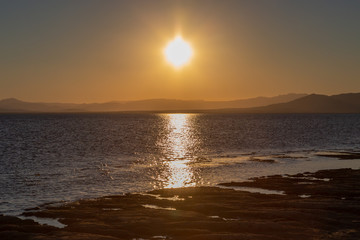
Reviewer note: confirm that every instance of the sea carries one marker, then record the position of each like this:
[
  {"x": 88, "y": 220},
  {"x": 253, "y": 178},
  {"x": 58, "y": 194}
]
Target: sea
[{"x": 57, "y": 158}]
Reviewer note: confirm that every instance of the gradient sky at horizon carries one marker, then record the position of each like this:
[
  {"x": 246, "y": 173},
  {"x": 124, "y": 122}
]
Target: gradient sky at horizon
[{"x": 97, "y": 51}]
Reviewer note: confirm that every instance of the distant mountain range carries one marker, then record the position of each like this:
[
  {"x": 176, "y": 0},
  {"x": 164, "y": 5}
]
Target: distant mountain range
[
  {"x": 314, "y": 103},
  {"x": 15, "y": 105},
  {"x": 290, "y": 103}
]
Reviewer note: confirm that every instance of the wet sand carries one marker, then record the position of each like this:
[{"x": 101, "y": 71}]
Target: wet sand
[{"x": 321, "y": 205}]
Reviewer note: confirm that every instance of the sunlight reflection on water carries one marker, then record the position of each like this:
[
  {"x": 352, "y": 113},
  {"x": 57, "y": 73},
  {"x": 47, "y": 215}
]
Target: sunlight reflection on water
[
  {"x": 47, "y": 158},
  {"x": 178, "y": 141}
]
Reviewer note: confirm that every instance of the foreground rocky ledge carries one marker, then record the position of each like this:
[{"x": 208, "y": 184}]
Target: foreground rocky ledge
[{"x": 323, "y": 205}]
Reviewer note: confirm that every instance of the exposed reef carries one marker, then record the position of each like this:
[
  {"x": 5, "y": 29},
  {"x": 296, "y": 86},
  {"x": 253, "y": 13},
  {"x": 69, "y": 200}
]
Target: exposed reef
[{"x": 321, "y": 205}]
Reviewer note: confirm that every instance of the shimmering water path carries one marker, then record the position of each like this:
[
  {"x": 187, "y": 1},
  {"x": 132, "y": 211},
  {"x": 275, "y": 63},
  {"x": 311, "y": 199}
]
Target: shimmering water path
[{"x": 63, "y": 157}]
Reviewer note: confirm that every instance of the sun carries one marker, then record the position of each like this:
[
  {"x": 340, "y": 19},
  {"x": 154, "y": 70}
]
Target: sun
[{"x": 178, "y": 52}]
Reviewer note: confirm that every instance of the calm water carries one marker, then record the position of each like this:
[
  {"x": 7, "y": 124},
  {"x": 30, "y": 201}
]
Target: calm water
[{"x": 62, "y": 157}]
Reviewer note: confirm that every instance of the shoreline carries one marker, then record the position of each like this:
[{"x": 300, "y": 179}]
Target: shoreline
[
  {"x": 320, "y": 205},
  {"x": 271, "y": 164}
]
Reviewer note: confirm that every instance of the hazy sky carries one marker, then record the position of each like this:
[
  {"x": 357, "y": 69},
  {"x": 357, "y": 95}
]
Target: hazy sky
[{"x": 96, "y": 51}]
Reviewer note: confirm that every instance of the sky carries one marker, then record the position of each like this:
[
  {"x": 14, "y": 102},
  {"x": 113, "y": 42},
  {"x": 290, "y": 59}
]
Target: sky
[{"x": 106, "y": 50}]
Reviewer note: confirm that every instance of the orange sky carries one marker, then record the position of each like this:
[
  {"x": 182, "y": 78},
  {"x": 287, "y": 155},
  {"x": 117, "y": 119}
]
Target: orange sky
[{"x": 97, "y": 51}]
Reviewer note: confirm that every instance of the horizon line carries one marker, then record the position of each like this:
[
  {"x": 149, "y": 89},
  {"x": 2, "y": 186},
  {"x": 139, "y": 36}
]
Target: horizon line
[{"x": 151, "y": 99}]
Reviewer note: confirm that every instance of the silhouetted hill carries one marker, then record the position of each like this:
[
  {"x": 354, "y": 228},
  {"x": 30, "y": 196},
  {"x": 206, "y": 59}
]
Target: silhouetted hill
[
  {"x": 14, "y": 105},
  {"x": 349, "y": 98},
  {"x": 314, "y": 103}
]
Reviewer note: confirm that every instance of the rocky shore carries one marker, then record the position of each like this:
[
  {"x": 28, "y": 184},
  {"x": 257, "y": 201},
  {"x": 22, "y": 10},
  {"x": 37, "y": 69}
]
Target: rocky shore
[{"x": 321, "y": 205}]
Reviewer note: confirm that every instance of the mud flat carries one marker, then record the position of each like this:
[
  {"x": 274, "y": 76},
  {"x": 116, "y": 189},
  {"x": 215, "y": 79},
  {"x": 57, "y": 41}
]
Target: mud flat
[{"x": 321, "y": 205}]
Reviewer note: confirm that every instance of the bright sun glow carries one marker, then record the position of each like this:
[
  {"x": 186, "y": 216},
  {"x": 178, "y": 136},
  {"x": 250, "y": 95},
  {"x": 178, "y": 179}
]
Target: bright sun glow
[{"x": 178, "y": 52}]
